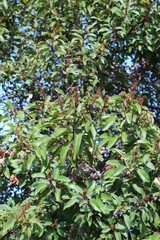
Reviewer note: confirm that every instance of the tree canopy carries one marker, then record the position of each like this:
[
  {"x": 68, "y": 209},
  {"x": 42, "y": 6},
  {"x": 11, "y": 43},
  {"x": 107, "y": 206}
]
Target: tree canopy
[
  {"x": 47, "y": 44},
  {"x": 79, "y": 155}
]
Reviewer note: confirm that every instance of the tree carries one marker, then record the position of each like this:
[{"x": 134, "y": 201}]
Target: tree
[
  {"x": 81, "y": 168},
  {"x": 80, "y": 150},
  {"x": 112, "y": 44}
]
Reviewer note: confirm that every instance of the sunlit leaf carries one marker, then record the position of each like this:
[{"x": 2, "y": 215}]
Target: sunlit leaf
[
  {"x": 58, "y": 132},
  {"x": 109, "y": 122},
  {"x": 143, "y": 175},
  {"x": 129, "y": 117},
  {"x": 70, "y": 203},
  {"x": 63, "y": 152}
]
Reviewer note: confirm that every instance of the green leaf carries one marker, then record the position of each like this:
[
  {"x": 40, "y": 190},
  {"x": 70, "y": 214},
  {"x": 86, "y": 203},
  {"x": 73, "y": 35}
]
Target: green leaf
[
  {"x": 150, "y": 165},
  {"x": 119, "y": 226},
  {"x": 70, "y": 203},
  {"x": 39, "y": 152},
  {"x": 124, "y": 137},
  {"x": 79, "y": 108},
  {"x": 6, "y": 172},
  {"x": 110, "y": 173},
  {"x": 109, "y": 123},
  {"x": 5, "y": 4},
  {"x": 76, "y": 188},
  {"x": 58, "y": 90},
  {"x": 42, "y": 140},
  {"x": 45, "y": 161},
  {"x": 118, "y": 234},
  {"x": 30, "y": 160},
  {"x": 138, "y": 189},
  {"x": 156, "y": 219},
  {"x": 37, "y": 222},
  {"x": 129, "y": 117},
  {"x": 87, "y": 126},
  {"x": 77, "y": 144},
  {"x": 143, "y": 134},
  {"x": 2, "y": 40},
  {"x": 38, "y": 175},
  {"x": 55, "y": 173},
  {"x": 114, "y": 163},
  {"x": 127, "y": 220},
  {"x": 112, "y": 141},
  {"x": 143, "y": 175},
  {"x": 58, "y": 194},
  {"x": 9, "y": 224},
  {"x": 119, "y": 170},
  {"x": 103, "y": 143},
  {"x": 63, "y": 152},
  {"x": 43, "y": 184},
  {"x": 138, "y": 107},
  {"x": 134, "y": 118},
  {"x": 58, "y": 132},
  {"x": 155, "y": 236},
  {"x": 144, "y": 142},
  {"x": 93, "y": 131},
  {"x": 115, "y": 98},
  {"x": 10, "y": 105},
  {"x": 146, "y": 158},
  {"x": 91, "y": 189},
  {"x": 100, "y": 101},
  {"x": 95, "y": 204},
  {"x": 63, "y": 178},
  {"x": 90, "y": 9}
]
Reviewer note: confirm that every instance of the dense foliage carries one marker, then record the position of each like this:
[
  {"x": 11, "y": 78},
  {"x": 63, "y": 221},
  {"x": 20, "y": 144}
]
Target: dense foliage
[
  {"x": 64, "y": 43},
  {"x": 79, "y": 155},
  {"x": 80, "y": 168}
]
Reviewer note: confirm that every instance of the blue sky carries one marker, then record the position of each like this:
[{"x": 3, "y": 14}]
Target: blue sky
[
  {"x": 1, "y": 104},
  {"x": 1, "y": 93}
]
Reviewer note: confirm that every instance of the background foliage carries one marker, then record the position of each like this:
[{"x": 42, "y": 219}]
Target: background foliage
[
  {"x": 49, "y": 43},
  {"x": 77, "y": 160}
]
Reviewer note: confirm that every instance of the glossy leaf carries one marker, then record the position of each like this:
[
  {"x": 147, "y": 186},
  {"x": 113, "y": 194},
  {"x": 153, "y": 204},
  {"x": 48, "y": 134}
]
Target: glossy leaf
[{"x": 77, "y": 144}]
